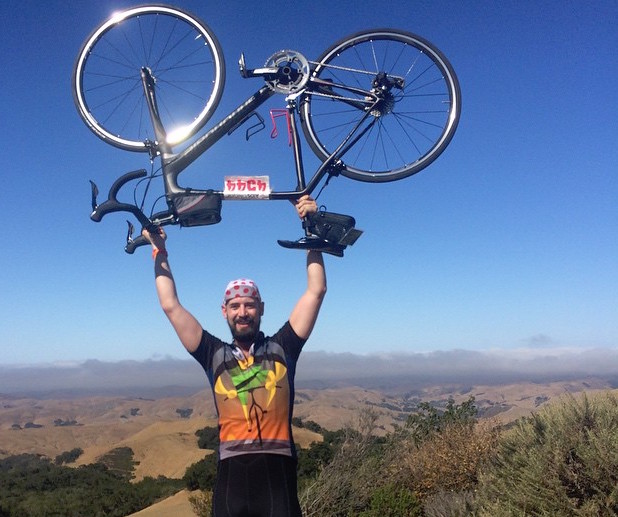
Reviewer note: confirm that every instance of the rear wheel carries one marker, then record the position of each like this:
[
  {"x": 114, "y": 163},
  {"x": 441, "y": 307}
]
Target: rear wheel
[
  {"x": 182, "y": 54},
  {"x": 401, "y": 85}
]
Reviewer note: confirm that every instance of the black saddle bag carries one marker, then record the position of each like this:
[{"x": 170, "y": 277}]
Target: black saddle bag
[{"x": 197, "y": 209}]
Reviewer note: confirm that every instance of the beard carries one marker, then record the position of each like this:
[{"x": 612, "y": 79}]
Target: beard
[{"x": 247, "y": 333}]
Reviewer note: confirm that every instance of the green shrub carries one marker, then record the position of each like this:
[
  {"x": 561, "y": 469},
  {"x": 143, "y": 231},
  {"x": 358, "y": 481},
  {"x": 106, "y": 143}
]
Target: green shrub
[
  {"x": 429, "y": 420},
  {"x": 202, "y": 475},
  {"x": 201, "y": 503},
  {"x": 319, "y": 454},
  {"x": 34, "y": 486},
  {"x": 345, "y": 485},
  {"x": 208, "y": 438},
  {"x": 308, "y": 424},
  {"x": 119, "y": 461},
  {"x": 69, "y": 456},
  {"x": 449, "y": 504},
  {"x": 392, "y": 501},
  {"x": 561, "y": 461}
]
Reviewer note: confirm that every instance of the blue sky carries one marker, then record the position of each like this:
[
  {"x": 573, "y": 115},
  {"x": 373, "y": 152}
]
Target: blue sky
[{"x": 509, "y": 240}]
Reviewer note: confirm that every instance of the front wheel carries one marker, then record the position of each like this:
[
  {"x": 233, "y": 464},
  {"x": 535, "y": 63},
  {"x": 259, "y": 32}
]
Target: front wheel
[
  {"x": 388, "y": 102},
  {"x": 181, "y": 53}
]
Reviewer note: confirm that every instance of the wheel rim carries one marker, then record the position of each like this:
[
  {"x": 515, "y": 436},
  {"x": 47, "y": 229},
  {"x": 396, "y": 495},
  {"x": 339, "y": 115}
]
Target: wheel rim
[
  {"x": 185, "y": 60},
  {"x": 411, "y": 123}
]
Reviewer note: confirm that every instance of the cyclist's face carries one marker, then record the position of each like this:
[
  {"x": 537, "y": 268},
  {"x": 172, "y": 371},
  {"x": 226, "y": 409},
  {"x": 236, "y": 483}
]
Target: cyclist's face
[{"x": 243, "y": 316}]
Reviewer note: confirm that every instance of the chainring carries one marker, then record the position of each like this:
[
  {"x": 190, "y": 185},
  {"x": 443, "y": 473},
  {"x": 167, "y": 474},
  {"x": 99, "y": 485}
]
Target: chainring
[{"x": 293, "y": 71}]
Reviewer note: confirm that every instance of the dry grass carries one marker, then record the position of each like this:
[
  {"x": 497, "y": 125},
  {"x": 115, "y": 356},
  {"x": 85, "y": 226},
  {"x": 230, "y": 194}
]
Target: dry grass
[
  {"x": 176, "y": 506},
  {"x": 449, "y": 461}
]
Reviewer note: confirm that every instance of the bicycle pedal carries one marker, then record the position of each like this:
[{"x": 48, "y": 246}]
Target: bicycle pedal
[{"x": 315, "y": 244}]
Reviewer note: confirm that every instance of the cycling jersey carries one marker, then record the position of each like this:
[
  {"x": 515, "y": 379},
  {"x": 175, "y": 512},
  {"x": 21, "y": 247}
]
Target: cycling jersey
[{"x": 253, "y": 396}]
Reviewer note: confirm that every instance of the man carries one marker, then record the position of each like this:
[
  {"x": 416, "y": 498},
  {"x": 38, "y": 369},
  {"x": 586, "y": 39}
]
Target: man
[{"x": 253, "y": 384}]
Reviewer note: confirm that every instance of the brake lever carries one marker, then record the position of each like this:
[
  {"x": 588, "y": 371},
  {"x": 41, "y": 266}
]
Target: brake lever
[
  {"x": 157, "y": 220},
  {"x": 133, "y": 244},
  {"x": 94, "y": 193},
  {"x": 130, "y": 231}
]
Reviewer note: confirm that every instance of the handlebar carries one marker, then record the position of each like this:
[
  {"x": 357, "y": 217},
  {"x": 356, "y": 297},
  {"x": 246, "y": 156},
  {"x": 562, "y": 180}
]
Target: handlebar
[{"x": 113, "y": 205}]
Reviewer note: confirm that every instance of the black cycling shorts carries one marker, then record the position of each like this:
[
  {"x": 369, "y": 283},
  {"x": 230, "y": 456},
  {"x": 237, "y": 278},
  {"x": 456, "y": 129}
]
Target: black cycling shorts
[{"x": 256, "y": 485}]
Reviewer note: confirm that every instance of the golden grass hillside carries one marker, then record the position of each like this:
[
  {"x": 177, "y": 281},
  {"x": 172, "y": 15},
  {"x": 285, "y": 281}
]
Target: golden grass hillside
[{"x": 163, "y": 443}]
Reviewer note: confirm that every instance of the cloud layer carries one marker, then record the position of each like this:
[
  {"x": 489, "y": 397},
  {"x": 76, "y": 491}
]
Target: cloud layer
[{"x": 321, "y": 368}]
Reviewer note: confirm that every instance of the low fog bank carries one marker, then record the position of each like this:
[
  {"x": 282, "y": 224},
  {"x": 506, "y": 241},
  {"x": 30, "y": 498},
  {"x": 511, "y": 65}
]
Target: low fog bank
[
  {"x": 170, "y": 377},
  {"x": 398, "y": 372}
]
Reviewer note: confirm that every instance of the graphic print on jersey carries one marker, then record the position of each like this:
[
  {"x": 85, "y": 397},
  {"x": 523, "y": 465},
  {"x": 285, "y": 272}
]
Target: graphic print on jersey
[{"x": 252, "y": 397}]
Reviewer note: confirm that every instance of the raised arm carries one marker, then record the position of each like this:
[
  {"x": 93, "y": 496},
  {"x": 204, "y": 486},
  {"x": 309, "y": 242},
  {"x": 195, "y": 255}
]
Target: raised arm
[
  {"x": 186, "y": 326},
  {"x": 305, "y": 312}
]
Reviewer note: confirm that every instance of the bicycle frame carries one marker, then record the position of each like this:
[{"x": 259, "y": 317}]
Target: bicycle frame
[{"x": 172, "y": 164}]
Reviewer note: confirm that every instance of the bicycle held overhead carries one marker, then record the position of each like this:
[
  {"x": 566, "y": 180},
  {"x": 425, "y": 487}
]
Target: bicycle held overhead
[{"x": 377, "y": 106}]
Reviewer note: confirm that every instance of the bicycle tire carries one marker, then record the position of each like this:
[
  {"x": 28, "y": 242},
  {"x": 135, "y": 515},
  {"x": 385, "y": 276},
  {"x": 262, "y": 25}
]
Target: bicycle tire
[
  {"x": 182, "y": 53},
  {"x": 411, "y": 126}
]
